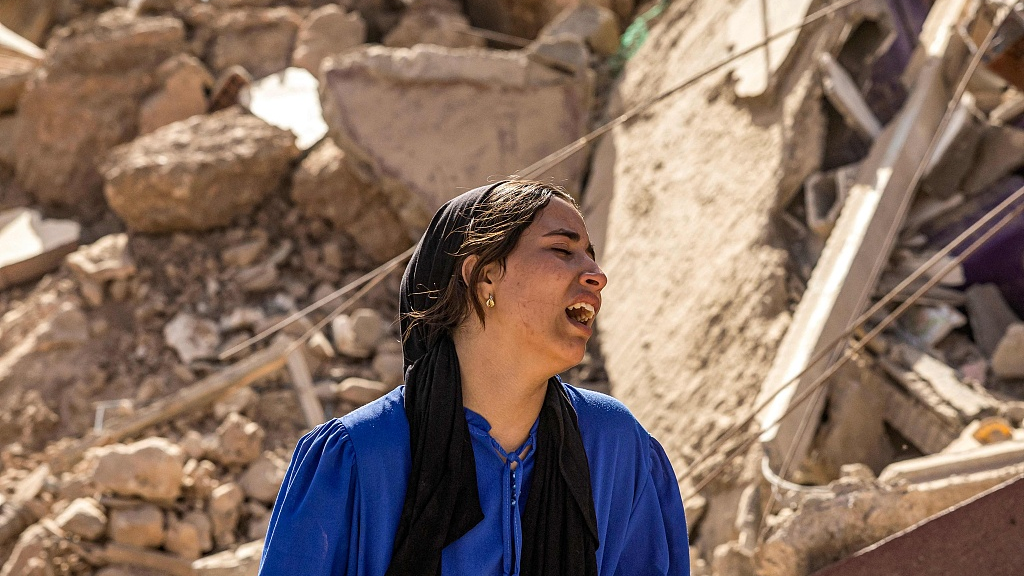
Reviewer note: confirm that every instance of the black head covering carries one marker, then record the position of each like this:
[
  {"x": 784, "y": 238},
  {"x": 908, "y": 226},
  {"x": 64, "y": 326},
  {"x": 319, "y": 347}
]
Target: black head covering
[{"x": 441, "y": 501}]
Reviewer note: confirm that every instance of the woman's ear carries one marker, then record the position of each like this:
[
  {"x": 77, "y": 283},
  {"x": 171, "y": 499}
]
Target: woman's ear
[
  {"x": 488, "y": 275},
  {"x": 467, "y": 268}
]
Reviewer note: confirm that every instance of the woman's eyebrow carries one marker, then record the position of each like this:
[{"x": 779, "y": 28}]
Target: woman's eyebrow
[{"x": 571, "y": 235}]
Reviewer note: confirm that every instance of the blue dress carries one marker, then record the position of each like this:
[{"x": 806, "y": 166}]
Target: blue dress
[{"x": 339, "y": 505}]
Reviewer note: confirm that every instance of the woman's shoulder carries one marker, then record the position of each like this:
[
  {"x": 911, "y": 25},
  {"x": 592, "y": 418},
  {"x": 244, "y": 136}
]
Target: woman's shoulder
[
  {"x": 380, "y": 426},
  {"x": 595, "y": 408}
]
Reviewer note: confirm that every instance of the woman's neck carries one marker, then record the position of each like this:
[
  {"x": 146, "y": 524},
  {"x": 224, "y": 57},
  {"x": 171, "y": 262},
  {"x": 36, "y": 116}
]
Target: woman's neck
[{"x": 495, "y": 386}]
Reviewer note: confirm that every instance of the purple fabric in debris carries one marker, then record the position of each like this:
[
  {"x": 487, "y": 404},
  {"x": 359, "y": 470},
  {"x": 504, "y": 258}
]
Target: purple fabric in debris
[
  {"x": 886, "y": 93},
  {"x": 1000, "y": 260}
]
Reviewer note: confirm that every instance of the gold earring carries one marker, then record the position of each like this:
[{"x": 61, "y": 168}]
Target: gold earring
[{"x": 490, "y": 300}]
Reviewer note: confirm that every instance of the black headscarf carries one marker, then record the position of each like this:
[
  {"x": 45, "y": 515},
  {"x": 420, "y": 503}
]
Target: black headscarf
[{"x": 441, "y": 501}]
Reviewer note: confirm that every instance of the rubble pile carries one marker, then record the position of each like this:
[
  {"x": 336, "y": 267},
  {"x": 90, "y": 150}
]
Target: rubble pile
[
  {"x": 750, "y": 219},
  {"x": 170, "y": 189},
  {"x": 180, "y": 179}
]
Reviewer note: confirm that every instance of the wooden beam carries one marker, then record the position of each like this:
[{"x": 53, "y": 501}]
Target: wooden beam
[
  {"x": 856, "y": 251},
  {"x": 302, "y": 380},
  {"x": 199, "y": 395}
]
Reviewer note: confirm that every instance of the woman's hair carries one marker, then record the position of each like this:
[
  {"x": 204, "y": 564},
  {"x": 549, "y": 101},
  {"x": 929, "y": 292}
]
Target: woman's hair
[{"x": 491, "y": 236}]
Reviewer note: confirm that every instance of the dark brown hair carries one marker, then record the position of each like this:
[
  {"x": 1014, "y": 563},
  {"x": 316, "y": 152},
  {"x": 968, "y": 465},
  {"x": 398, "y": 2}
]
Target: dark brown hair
[{"x": 491, "y": 236}]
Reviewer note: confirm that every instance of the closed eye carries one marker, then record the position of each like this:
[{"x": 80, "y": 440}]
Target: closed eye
[{"x": 563, "y": 251}]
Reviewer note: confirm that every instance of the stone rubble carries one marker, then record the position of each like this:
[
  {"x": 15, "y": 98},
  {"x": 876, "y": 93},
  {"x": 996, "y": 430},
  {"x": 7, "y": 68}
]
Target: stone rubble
[{"x": 175, "y": 194}]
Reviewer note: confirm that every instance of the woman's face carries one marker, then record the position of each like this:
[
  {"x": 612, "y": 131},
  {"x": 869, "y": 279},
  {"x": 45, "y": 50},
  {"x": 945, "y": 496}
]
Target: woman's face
[{"x": 549, "y": 293}]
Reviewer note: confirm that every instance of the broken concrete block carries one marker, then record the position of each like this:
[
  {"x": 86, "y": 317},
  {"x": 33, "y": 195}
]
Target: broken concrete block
[
  {"x": 989, "y": 315},
  {"x": 142, "y": 526},
  {"x": 563, "y": 52},
  {"x": 847, "y": 99},
  {"x": 474, "y": 100},
  {"x": 84, "y": 518},
  {"x": 105, "y": 260},
  {"x": 969, "y": 403},
  {"x": 31, "y": 246},
  {"x": 1001, "y": 151},
  {"x": 435, "y": 23},
  {"x": 261, "y": 41},
  {"x": 961, "y": 139},
  {"x": 327, "y": 185},
  {"x": 238, "y": 441},
  {"x": 191, "y": 337},
  {"x": 198, "y": 173},
  {"x": 92, "y": 84},
  {"x": 262, "y": 479},
  {"x": 595, "y": 25},
  {"x": 190, "y": 536},
  {"x": 243, "y": 561},
  {"x": 748, "y": 25},
  {"x": 326, "y": 31},
  {"x": 1008, "y": 359},
  {"x": 944, "y": 465},
  {"x": 288, "y": 100},
  {"x": 185, "y": 83},
  {"x": 359, "y": 334},
  {"x": 824, "y": 196},
  {"x": 360, "y": 391},
  {"x": 390, "y": 367},
  {"x": 927, "y": 431},
  {"x": 151, "y": 468},
  {"x": 225, "y": 510}
]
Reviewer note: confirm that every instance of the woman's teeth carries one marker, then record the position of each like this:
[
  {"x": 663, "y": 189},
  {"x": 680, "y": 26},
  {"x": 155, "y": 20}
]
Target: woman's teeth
[{"x": 581, "y": 312}]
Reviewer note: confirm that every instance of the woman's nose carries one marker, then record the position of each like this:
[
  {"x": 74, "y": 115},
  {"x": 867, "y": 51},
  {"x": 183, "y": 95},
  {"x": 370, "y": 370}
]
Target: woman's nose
[{"x": 594, "y": 279}]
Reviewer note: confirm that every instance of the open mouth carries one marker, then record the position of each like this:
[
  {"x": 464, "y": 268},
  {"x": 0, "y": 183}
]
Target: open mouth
[{"x": 581, "y": 312}]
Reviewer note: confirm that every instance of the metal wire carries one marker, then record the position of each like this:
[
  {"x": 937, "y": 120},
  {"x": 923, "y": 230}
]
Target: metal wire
[
  {"x": 858, "y": 345},
  {"x": 951, "y": 107},
  {"x": 544, "y": 164}
]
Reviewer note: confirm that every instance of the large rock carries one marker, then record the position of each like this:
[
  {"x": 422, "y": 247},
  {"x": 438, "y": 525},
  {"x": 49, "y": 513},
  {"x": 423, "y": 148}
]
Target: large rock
[
  {"x": 436, "y": 22},
  {"x": 516, "y": 17},
  {"x": 141, "y": 526},
  {"x": 596, "y": 25},
  {"x": 197, "y": 174},
  {"x": 84, "y": 518},
  {"x": 238, "y": 441},
  {"x": 261, "y": 41},
  {"x": 225, "y": 510},
  {"x": 85, "y": 100},
  {"x": 184, "y": 85},
  {"x": 190, "y": 536},
  {"x": 243, "y": 561},
  {"x": 327, "y": 31},
  {"x": 150, "y": 468},
  {"x": 262, "y": 479},
  {"x": 327, "y": 185},
  {"x": 495, "y": 112}
]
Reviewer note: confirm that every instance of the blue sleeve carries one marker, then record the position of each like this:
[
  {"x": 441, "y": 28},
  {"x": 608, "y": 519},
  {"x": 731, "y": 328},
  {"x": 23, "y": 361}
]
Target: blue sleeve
[
  {"x": 656, "y": 542},
  {"x": 312, "y": 527}
]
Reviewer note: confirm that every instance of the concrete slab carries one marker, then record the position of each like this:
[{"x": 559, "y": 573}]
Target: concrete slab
[
  {"x": 31, "y": 246},
  {"x": 857, "y": 250}
]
